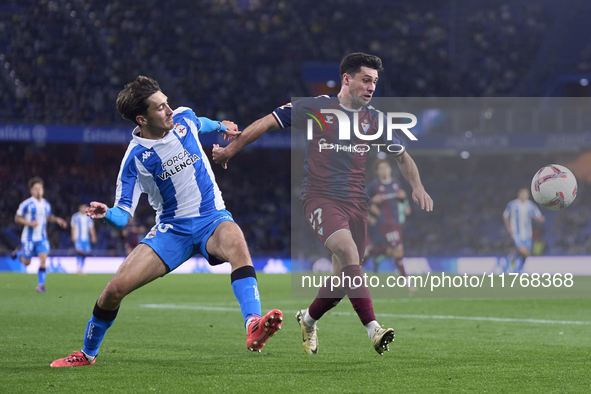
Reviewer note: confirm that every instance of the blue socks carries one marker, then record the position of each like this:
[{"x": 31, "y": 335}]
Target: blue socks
[
  {"x": 518, "y": 263},
  {"x": 80, "y": 262},
  {"x": 41, "y": 275},
  {"x": 244, "y": 284},
  {"x": 100, "y": 321}
]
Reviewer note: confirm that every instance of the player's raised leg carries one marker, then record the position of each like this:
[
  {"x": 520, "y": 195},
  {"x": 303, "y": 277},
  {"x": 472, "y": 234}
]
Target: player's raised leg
[
  {"x": 142, "y": 266},
  {"x": 227, "y": 243}
]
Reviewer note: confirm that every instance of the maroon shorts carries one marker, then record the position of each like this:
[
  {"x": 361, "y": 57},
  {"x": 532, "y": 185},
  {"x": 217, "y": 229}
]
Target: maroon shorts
[
  {"x": 385, "y": 236},
  {"x": 327, "y": 216}
]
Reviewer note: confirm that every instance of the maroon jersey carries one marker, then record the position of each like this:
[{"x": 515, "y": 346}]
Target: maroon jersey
[
  {"x": 389, "y": 207},
  {"x": 335, "y": 168}
]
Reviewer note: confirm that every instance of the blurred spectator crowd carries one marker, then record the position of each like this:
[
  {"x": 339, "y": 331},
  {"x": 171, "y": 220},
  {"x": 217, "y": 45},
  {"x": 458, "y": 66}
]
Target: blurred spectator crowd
[
  {"x": 238, "y": 59},
  {"x": 63, "y": 62}
]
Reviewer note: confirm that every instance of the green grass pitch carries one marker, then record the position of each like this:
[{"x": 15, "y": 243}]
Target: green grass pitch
[{"x": 184, "y": 333}]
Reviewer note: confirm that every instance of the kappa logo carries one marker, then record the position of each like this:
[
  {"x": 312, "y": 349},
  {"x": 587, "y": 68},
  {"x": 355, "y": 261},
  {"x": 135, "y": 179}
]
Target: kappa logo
[
  {"x": 180, "y": 129},
  {"x": 146, "y": 155},
  {"x": 90, "y": 330}
]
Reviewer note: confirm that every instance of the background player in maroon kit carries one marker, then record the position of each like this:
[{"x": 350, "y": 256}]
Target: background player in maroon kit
[
  {"x": 333, "y": 195},
  {"x": 384, "y": 226}
]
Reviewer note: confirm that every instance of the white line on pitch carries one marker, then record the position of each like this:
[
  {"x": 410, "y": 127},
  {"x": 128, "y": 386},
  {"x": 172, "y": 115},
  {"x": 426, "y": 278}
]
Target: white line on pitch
[{"x": 399, "y": 316}]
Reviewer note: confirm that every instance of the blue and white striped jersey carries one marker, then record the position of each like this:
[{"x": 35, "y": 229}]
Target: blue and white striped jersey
[
  {"x": 520, "y": 215},
  {"x": 173, "y": 171},
  {"x": 82, "y": 224},
  {"x": 33, "y": 209}
]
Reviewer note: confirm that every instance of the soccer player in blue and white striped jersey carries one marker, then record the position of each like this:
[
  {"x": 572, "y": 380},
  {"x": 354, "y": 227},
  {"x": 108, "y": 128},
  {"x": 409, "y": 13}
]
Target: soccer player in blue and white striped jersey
[
  {"x": 166, "y": 160},
  {"x": 518, "y": 217},
  {"x": 33, "y": 214},
  {"x": 83, "y": 233}
]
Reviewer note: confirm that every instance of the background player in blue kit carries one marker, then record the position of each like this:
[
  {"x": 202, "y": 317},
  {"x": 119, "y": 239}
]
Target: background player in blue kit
[
  {"x": 83, "y": 233},
  {"x": 165, "y": 160},
  {"x": 33, "y": 214},
  {"x": 517, "y": 217}
]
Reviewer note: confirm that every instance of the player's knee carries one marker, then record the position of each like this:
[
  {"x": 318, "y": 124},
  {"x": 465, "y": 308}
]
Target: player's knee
[
  {"x": 25, "y": 261},
  {"x": 238, "y": 253},
  {"x": 235, "y": 244},
  {"x": 346, "y": 253},
  {"x": 115, "y": 291}
]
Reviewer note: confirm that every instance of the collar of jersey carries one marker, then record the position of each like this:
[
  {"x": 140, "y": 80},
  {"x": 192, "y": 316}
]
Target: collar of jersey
[
  {"x": 350, "y": 109},
  {"x": 147, "y": 142}
]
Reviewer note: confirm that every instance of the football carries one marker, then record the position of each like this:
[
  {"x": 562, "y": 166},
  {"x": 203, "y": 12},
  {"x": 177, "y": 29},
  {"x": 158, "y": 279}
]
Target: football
[{"x": 554, "y": 187}]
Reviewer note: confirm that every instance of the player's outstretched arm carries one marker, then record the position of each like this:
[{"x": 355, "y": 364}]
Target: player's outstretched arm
[
  {"x": 96, "y": 210},
  {"x": 249, "y": 135},
  {"x": 231, "y": 130},
  {"x": 115, "y": 217},
  {"x": 61, "y": 222},
  {"x": 226, "y": 127},
  {"x": 409, "y": 170}
]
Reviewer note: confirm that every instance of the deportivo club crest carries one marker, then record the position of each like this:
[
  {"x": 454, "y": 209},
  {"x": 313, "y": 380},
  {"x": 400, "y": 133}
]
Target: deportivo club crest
[{"x": 180, "y": 129}]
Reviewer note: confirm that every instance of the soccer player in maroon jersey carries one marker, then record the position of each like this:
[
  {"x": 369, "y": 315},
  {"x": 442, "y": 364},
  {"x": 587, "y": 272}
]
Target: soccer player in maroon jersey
[
  {"x": 384, "y": 223},
  {"x": 333, "y": 195}
]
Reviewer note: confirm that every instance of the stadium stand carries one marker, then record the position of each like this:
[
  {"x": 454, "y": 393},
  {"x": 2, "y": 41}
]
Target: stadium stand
[{"x": 63, "y": 63}]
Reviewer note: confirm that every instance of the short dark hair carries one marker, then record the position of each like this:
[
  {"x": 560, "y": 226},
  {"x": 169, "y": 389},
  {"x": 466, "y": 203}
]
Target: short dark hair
[
  {"x": 133, "y": 99},
  {"x": 33, "y": 181},
  {"x": 353, "y": 62}
]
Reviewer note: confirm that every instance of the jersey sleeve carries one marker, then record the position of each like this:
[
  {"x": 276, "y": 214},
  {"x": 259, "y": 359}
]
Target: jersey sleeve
[
  {"x": 283, "y": 115},
  {"x": 128, "y": 189},
  {"x": 208, "y": 125},
  {"x": 73, "y": 222},
  {"x": 23, "y": 208},
  {"x": 90, "y": 222},
  {"x": 48, "y": 208},
  {"x": 507, "y": 211},
  {"x": 187, "y": 118},
  {"x": 297, "y": 112}
]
